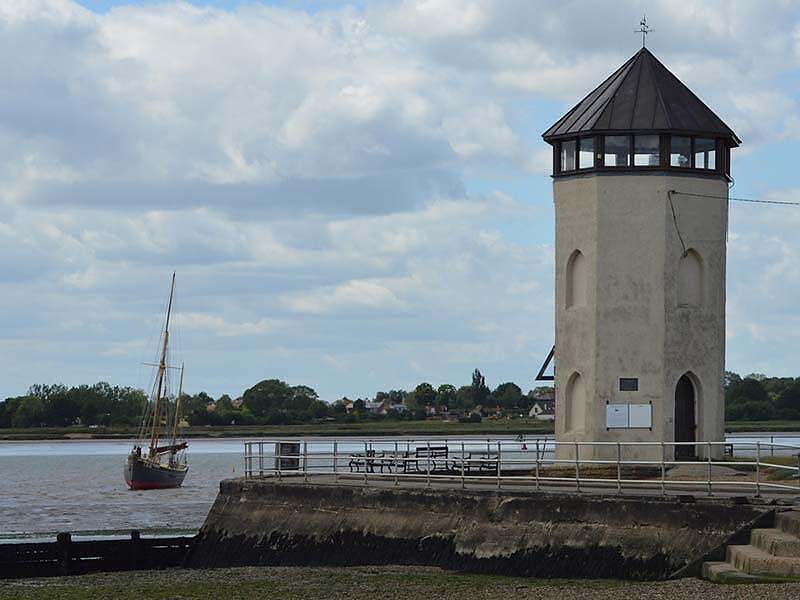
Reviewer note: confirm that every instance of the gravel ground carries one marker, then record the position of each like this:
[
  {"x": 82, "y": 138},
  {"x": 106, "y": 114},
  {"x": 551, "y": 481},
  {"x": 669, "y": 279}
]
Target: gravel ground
[{"x": 386, "y": 583}]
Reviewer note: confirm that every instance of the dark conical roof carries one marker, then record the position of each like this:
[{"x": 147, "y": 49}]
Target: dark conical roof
[{"x": 642, "y": 95}]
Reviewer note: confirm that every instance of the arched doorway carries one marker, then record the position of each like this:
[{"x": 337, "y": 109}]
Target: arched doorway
[{"x": 685, "y": 424}]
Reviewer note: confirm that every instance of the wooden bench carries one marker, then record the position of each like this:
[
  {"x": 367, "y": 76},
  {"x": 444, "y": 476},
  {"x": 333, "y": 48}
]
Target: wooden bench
[
  {"x": 371, "y": 459},
  {"x": 475, "y": 463},
  {"x": 433, "y": 458},
  {"x": 365, "y": 460}
]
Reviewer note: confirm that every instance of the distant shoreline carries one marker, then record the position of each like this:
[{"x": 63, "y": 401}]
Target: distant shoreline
[{"x": 369, "y": 428}]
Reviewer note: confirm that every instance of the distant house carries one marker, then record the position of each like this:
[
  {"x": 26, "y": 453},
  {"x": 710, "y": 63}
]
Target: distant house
[
  {"x": 373, "y": 407},
  {"x": 543, "y": 410},
  {"x": 547, "y": 394},
  {"x": 436, "y": 411}
]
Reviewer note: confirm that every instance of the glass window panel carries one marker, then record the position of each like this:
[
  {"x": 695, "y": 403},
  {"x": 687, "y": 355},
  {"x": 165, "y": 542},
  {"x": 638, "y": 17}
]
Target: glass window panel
[
  {"x": 680, "y": 151},
  {"x": 586, "y": 153},
  {"x": 646, "y": 151},
  {"x": 705, "y": 153},
  {"x": 617, "y": 151},
  {"x": 568, "y": 155}
]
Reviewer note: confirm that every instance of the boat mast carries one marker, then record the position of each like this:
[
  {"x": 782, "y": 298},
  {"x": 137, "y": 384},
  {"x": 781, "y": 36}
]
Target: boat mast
[
  {"x": 162, "y": 368},
  {"x": 177, "y": 410}
]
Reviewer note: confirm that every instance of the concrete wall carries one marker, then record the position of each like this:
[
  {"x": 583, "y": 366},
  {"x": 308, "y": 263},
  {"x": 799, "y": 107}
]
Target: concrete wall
[
  {"x": 631, "y": 324},
  {"x": 268, "y": 523}
]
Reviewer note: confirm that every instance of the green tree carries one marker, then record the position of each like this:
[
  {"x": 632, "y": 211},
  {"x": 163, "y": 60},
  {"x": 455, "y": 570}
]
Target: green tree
[
  {"x": 8, "y": 408},
  {"x": 481, "y": 392},
  {"x": 425, "y": 395},
  {"x": 268, "y": 398},
  {"x": 446, "y": 395},
  {"x": 787, "y": 405},
  {"x": 507, "y": 395},
  {"x": 465, "y": 398},
  {"x": 29, "y": 413},
  {"x": 749, "y": 410}
]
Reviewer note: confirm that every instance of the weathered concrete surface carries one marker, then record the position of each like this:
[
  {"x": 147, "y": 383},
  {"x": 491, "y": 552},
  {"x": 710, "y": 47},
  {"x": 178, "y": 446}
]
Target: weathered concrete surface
[
  {"x": 771, "y": 554},
  {"x": 546, "y": 535},
  {"x": 628, "y": 319}
]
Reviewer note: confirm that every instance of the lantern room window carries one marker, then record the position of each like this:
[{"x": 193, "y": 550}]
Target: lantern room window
[
  {"x": 646, "y": 151},
  {"x": 617, "y": 151},
  {"x": 640, "y": 151},
  {"x": 568, "y": 155},
  {"x": 705, "y": 153},
  {"x": 585, "y": 153},
  {"x": 680, "y": 152}
]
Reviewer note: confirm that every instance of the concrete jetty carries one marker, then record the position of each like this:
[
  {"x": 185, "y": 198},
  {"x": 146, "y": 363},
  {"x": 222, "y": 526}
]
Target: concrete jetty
[{"x": 268, "y": 521}]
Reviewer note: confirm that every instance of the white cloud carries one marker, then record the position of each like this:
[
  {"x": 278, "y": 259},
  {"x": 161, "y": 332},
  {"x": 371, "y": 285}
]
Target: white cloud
[{"x": 312, "y": 178}]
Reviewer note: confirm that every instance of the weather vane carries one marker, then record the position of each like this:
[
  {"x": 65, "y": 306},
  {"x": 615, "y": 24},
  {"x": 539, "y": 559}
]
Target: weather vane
[{"x": 644, "y": 29}]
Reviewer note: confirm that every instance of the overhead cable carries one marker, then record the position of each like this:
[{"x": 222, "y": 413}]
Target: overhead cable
[{"x": 733, "y": 199}]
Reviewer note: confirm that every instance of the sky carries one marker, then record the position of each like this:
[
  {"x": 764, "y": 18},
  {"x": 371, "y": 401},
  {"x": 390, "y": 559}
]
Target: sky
[{"x": 355, "y": 197}]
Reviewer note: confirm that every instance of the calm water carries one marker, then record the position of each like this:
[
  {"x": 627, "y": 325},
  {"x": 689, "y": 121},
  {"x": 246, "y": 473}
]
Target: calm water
[{"x": 77, "y": 486}]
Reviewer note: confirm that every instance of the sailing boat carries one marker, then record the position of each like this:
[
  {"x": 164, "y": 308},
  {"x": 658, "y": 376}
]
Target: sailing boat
[{"x": 145, "y": 470}]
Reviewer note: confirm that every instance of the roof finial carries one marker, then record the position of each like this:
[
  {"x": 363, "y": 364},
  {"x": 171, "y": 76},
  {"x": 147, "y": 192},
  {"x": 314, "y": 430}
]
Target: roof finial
[{"x": 644, "y": 29}]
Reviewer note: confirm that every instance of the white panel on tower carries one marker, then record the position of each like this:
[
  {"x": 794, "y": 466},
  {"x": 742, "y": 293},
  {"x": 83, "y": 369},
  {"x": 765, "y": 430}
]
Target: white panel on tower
[
  {"x": 641, "y": 416},
  {"x": 616, "y": 416}
]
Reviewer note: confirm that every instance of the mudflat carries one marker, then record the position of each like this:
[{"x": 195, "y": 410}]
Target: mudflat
[{"x": 385, "y": 582}]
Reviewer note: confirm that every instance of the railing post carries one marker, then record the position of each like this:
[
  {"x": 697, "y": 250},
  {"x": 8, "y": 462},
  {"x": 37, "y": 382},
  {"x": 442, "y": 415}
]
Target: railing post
[
  {"x": 463, "y": 459},
  {"x": 499, "y": 462},
  {"x": 619, "y": 468},
  {"x": 798, "y": 469},
  {"x": 279, "y": 457},
  {"x": 772, "y": 445},
  {"x": 366, "y": 462},
  {"x": 758, "y": 469},
  {"x": 663, "y": 469},
  {"x": 260, "y": 459},
  {"x": 305, "y": 461},
  {"x": 335, "y": 460},
  {"x": 708, "y": 453},
  {"x": 428, "y": 465},
  {"x": 396, "y": 464},
  {"x": 577, "y": 468},
  {"x": 537, "y": 464}
]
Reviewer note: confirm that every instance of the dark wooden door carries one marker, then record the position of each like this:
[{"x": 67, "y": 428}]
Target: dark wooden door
[{"x": 684, "y": 418}]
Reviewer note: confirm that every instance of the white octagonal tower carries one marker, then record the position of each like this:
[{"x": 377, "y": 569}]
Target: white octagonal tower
[{"x": 640, "y": 182}]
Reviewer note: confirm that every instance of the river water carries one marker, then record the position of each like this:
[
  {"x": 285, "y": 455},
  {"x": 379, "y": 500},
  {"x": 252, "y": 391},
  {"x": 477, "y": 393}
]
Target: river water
[{"x": 77, "y": 486}]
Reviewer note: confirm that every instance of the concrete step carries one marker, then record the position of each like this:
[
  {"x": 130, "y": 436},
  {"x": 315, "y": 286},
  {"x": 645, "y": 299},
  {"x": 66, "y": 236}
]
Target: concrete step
[
  {"x": 722, "y": 572},
  {"x": 776, "y": 542},
  {"x": 788, "y": 521},
  {"x": 755, "y": 561}
]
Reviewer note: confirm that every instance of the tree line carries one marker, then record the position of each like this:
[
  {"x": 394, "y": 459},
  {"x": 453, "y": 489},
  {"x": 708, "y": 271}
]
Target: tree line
[
  {"x": 753, "y": 397},
  {"x": 757, "y": 397},
  {"x": 269, "y": 402}
]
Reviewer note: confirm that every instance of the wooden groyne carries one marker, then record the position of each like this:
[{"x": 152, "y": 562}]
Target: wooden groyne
[{"x": 65, "y": 556}]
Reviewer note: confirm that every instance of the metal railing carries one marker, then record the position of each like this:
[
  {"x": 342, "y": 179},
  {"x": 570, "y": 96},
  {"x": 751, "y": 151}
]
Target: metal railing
[{"x": 750, "y": 465}]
